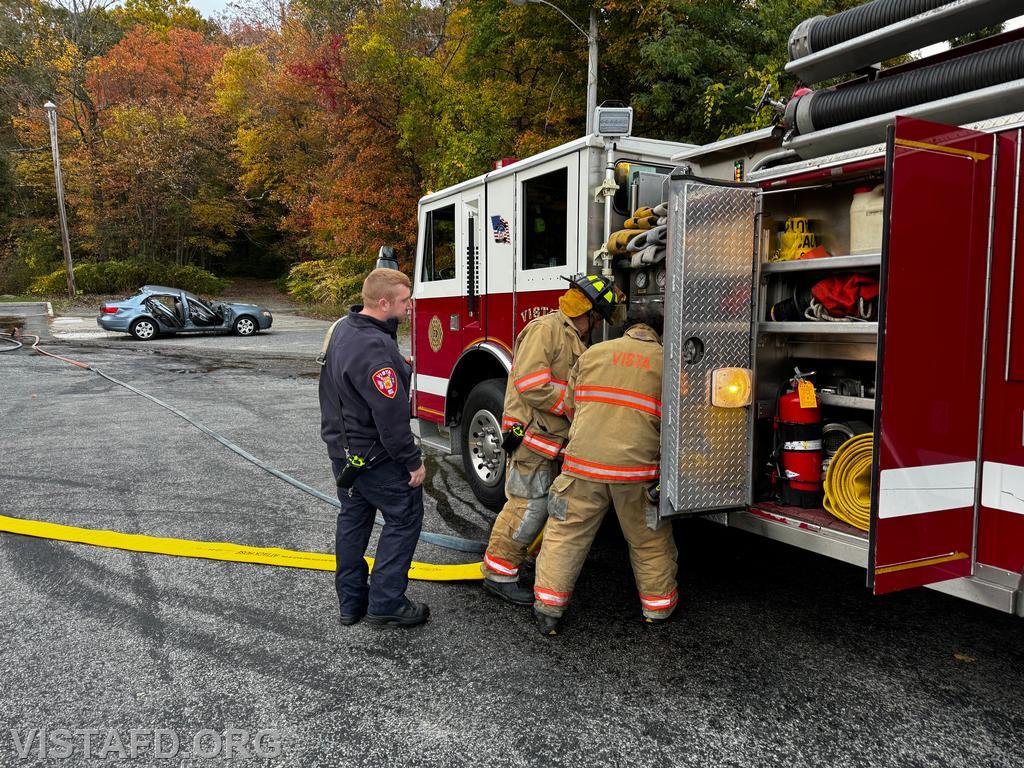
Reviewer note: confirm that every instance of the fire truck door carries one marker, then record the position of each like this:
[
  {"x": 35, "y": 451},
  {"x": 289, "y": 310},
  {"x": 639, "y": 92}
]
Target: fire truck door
[
  {"x": 705, "y": 449},
  {"x": 547, "y": 245},
  {"x": 935, "y": 258},
  {"x": 440, "y": 298}
]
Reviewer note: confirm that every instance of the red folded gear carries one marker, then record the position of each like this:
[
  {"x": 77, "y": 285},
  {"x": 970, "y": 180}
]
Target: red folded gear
[{"x": 840, "y": 294}]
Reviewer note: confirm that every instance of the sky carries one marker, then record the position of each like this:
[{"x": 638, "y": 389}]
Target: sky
[
  {"x": 214, "y": 7},
  {"x": 931, "y": 49},
  {"x": 209, "y": 7}
]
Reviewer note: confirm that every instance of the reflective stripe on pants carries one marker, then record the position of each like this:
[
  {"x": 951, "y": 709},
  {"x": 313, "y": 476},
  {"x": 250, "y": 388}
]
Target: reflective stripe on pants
[
  {"x": 523, "y": 516},
  {"x": 567, "y": 541}
]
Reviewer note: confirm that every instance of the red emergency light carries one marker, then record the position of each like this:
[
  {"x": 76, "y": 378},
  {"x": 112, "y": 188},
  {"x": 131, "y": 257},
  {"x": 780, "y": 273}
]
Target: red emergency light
[{"x": 504, "y": 162}]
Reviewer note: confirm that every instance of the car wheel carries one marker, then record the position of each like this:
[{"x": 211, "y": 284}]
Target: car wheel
[
  {"x": 483, "y": 458},
  {"x": 245, "y": 326},
  {"x": 143, "y": 329}
]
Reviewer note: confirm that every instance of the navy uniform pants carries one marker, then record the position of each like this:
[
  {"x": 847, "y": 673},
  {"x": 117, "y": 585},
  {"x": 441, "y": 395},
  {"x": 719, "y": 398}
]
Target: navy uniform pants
[{"x": 384, "y": 487}]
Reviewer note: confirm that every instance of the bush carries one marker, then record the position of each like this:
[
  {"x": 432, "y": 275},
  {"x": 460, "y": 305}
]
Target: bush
[
  {"x": 126, "y": 276},
  {"x": 195, "y": 280},
  {"x": 30, "y": 253},
  {"x": 15, "y": 275},
  {"x": 324, "y": 282}
]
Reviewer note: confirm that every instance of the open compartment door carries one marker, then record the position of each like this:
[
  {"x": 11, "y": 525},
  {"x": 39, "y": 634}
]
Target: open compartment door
[
  {"x": 931, "y": 339},
  {"x": 708, "y": 322}
]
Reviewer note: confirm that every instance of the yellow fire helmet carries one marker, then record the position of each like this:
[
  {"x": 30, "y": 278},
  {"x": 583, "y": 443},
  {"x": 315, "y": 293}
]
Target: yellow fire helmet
[{"x": 601, "y": 291}]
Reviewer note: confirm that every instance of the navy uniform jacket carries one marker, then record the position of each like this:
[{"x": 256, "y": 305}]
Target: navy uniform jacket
[{"x": 366, "y": 373}]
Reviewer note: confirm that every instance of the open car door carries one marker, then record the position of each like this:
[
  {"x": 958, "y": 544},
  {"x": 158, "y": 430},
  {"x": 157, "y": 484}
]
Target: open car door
[
  {"x": 200, "y": 314},
  {"x": 159, "y": 306}
]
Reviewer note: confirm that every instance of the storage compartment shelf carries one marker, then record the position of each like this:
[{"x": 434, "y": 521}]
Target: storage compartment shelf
[
  {"x": 831, "y": 262},
  {"x": 818, "y": 518},
  {"x": 820, "y": 328},
  {"x": 847, "y": 401}
]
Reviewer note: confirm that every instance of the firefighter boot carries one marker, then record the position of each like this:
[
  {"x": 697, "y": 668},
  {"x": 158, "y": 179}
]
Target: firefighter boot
[
  {"x": 509, "y": 591},
  {"x": 547, "y": 625},
  {"x": 409, "y": 614}
]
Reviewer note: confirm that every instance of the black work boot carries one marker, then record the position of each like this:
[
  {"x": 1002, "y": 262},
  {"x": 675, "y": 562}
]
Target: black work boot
[
  {"x": 409, "y": 614},
  {"x": 547, "y": 625},
  {"x": 348, "y": 619},
  {"x": 509, "y": 591}
]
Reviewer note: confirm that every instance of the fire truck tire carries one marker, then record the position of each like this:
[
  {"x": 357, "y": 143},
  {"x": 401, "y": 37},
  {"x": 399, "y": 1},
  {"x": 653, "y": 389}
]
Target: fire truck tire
[{"x": 482, "y": 456}]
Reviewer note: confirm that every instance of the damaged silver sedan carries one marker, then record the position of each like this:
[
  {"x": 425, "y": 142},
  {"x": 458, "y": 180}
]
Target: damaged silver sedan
[{"x": 156, "y": 309}]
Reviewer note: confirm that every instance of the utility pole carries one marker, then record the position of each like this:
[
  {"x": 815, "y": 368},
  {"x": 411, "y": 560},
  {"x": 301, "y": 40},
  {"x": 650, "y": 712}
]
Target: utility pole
[
  {"x": 51, "y": 117},
  {"x": 592, "y": 72}
]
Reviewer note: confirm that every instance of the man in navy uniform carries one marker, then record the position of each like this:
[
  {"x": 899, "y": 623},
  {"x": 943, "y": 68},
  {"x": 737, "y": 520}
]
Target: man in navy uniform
[{"x": 364, "y": 409}]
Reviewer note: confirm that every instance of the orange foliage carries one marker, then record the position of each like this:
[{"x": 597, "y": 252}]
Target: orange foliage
[{"x": 175, "y": 66}]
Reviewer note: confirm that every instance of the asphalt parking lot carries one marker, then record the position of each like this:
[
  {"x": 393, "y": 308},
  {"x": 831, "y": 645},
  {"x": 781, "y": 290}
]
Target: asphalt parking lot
[{"x": 778, "y": 657}]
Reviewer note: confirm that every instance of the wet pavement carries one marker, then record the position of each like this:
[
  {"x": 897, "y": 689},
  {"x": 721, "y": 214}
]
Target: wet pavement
[{"x": 778, "y": 657}]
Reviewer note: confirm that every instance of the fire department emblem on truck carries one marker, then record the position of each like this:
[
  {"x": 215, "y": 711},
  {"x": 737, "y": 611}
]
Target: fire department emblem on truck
[
  {"x": 435, "y": 333},
  {"x": 386, "y": 382}
]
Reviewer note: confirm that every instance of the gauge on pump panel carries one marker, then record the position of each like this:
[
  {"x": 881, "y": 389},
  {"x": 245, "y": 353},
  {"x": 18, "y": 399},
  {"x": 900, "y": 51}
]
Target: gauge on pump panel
[
  {"x": 661, "y": 278},
  {"x": 640, "y": 280}
]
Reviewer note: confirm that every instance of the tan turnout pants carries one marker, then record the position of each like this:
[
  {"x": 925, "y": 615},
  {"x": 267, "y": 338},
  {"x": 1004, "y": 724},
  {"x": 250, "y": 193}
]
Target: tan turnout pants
[
  {"x": 523, "y": 516},
  {"x": 576, "y": 509}
]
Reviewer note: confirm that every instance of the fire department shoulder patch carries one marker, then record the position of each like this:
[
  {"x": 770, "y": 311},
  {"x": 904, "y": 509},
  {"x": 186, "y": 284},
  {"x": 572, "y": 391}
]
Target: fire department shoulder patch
[{"x": 386, "y": 382}]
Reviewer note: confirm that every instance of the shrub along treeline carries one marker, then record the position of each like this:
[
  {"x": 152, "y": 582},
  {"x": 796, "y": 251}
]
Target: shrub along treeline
[
  {"x": 300, "y": 135},
  {"x": 117, "y": 277}
]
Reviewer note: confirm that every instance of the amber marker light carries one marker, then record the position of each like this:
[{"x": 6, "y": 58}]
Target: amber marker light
[{"x": 731, "y": 387}]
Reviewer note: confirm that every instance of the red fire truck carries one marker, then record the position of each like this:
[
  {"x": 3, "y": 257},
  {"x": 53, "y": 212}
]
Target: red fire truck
[{"x": 903, "y": 184}]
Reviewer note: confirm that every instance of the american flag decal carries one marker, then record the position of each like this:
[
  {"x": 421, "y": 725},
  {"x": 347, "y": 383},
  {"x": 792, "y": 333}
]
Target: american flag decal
[{"x": 501, "y": 233}]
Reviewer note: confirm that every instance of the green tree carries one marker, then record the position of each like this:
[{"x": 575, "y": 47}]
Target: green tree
[
  {"x": 160, "y": 15},
  {"x": 714, "y": 59},
  {"x": 973, "y": 37}
]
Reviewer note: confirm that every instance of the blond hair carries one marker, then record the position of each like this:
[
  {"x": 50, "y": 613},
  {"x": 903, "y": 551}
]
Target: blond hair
[{"x": 383, "y": 283}]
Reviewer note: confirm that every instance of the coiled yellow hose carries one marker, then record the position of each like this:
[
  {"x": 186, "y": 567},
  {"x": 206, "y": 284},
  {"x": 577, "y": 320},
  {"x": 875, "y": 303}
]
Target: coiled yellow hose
[{"x": 848, "y": 482}]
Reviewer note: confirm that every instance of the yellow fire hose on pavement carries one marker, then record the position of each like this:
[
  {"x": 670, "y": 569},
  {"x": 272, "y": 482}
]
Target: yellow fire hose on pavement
[
  {"x": 218, "y": 550},
  {"x": 848, "y": 482}
]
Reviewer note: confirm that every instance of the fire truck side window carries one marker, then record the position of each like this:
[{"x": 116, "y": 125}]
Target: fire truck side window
[
  {"x": 545, "y": 216},
  {"x": 439, "y": 244}
]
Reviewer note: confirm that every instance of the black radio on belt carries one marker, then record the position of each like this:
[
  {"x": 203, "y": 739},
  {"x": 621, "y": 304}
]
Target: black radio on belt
[
  {"x": 353, "y": 466},
  {"x": 513, "y": 438}
]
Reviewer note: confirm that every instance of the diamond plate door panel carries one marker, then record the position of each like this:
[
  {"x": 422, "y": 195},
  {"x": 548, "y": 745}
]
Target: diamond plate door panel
[{"x": 708, "y": 325}]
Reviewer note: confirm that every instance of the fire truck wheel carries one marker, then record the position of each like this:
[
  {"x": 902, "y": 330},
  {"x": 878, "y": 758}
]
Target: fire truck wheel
[{"x": 482, "y": 456}]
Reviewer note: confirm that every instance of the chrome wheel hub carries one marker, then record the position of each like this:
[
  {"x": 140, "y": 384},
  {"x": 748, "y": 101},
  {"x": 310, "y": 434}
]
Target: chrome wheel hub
[{"x": 486, "y": 454}]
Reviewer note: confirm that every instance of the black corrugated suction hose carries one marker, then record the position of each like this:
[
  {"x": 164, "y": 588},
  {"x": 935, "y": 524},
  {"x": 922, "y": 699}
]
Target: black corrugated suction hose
[
  {"x": 951, "y": 78},
  {"x": 866, "y": 18}
]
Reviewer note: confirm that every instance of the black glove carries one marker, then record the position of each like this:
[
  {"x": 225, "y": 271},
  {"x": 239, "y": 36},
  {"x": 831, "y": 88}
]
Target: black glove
[{"x": 512, "y": 439}]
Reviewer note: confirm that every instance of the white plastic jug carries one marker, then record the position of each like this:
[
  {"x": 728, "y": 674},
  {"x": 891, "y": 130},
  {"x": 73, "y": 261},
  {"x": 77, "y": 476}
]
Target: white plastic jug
[{"x": 866, "y": 220}]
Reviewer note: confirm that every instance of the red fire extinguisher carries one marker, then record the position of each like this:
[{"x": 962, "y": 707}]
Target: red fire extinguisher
[{"x": 798, "y": 444}]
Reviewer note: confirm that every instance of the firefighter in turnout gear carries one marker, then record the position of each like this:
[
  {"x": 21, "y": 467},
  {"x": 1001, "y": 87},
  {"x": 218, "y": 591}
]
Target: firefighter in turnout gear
[
  {"x": 611, "y": 459},
  {"x": 535, "y": 423}
]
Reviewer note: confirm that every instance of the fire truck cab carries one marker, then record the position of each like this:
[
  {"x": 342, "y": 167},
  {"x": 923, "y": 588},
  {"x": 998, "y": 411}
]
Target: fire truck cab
[
  {"x": 914, "y": 201},
  {"x": 491, "y": 256}
]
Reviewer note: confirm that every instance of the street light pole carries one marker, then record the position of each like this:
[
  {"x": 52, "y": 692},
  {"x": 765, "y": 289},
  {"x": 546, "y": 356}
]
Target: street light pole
[
  {"x": 51, "y": 117},
  {"x": 591, "y": 55},
  {"x": 592, "y": 72}
]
